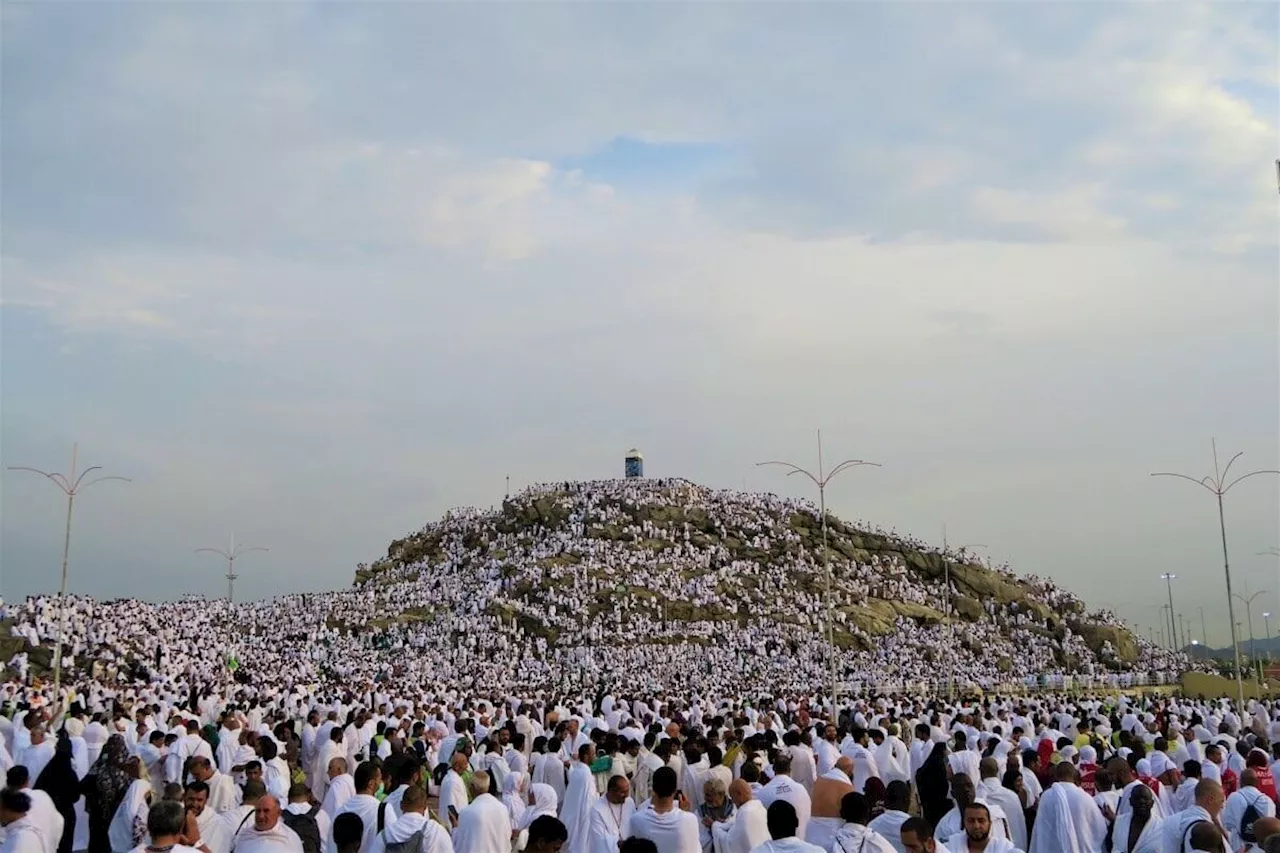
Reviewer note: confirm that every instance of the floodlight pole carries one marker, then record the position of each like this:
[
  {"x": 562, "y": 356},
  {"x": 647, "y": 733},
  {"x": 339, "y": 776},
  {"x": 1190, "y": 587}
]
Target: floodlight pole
[
  {"x": 1247, "y": 600},
  {"x": 1219, "y": 486},
  {"x": 1169, "y": 578},
  {"x": 71, "y": 485},
  {"x": 230, "y": 555},
  {"x": 1269, "y": 552},
  {"x": 821, "y": 481},
  {"x": 1266, "y": 618}
]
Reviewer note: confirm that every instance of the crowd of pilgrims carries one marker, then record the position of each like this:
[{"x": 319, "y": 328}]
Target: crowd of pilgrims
[
  {"x": 267, "y": 768},
  {"x": 678, "y": 586}
]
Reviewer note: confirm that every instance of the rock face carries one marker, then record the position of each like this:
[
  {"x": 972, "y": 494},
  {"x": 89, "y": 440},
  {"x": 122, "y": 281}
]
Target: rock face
[
  {"x": 40, "y": 658},
  {"x": 1098, "y": 636}
]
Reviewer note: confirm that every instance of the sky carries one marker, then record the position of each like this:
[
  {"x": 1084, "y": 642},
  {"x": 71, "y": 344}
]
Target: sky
[{"x": 312, "y": 274}]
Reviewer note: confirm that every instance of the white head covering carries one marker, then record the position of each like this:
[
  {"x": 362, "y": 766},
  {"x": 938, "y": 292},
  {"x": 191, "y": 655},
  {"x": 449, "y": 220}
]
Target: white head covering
[
  {"x": 513, "y": 794},
  {"x": 545, "y": 802},
  {"x": 131, "y": 814},
  {"x": 1160, "y": 763}
]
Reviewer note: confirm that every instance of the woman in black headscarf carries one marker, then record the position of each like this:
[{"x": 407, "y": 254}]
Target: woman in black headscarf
[
  {"x": 932, "y": 786},
  {"x": 60, "y": 782},
  {"x": 104, "y": 789}
]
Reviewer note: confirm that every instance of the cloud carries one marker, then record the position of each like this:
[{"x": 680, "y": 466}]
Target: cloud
[{"x": 315, "y": 273}]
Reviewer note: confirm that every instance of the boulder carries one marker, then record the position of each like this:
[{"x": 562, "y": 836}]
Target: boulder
[
  {"x": 968, "y": 608},
  {"x": 1096, "y": 636}
]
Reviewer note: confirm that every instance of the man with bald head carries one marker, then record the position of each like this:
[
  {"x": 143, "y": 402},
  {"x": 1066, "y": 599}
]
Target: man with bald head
[
  {"x": 1208, "y": 807},
  {"x": 1267, "y": 829},
  {"x": 341, "y": 787},
  {"x": 749, "y": 826},
  {"x": 485, "y": 825},
  {"x": 1237, "y": 820},
  {"x": 367, "y": 781},
  {"x": 267, "y": 833},
  {"x": 828, "y": 793},
  {"x": 609, "y": 814},
  {"x": 1068, "y": 819}
]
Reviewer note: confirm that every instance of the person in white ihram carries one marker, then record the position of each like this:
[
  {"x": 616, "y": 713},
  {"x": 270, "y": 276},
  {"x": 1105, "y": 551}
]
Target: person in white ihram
[
  {"x": 579, "y": 799},
  {"x": 783, "y": 788},
  {"x": 1068, "y": 820},
  {"x": 963, "y": 792},
  {"x": 664, "y": 821},
  {"x": 485, "y": 825},
  {"x": 44, "y": 813},
  {"x": 367, "y": 780},
  {"x": 976, "y": 836},
  {"x": 609, "y": 815},
  {"x": 22, "y": 835},
  {"x": 413, "y": 831},
  {"x": 267, "y": 833},
  {"x": 992, "y": 792},
  {"x": 165, "y": 823},
  {"x": 453, "y": 792},
  {"x": 1238, "y": 803},
  {"x": 855, "y": 836},
  {"x": 784, "y": 824},
  {"x": 749, "y": 826}
]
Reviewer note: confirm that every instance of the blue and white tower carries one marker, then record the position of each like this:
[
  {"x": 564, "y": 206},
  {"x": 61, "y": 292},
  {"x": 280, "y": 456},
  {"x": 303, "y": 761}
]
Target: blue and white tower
[{"x": 634, "y": 464}]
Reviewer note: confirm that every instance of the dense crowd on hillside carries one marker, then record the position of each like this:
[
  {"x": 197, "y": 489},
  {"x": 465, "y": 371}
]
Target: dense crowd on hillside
[{"x": 582, "y": 585}]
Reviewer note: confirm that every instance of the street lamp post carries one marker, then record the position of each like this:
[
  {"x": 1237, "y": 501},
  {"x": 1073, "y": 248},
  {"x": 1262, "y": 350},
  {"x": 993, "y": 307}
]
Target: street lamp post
[
  {"x": 1219, "y": 485},
  {"x": 230, "y": 555},
  {"x": 1169, "y": 578},
  {"x": 1266, "y": 618},
  {"x": 1269, "y": 552},
  {"x": 71, "y": 485},
  {"x": 1247, "y": 600},
  {"x": 823, "y": 477},
  {"x": 1204, "y": 634}
]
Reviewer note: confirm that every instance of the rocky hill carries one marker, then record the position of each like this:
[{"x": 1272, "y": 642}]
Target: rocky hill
[{"x": 668, "y": 559}]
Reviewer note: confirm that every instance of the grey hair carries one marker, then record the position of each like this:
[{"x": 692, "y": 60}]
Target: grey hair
[{"x": 165, "y": 818}]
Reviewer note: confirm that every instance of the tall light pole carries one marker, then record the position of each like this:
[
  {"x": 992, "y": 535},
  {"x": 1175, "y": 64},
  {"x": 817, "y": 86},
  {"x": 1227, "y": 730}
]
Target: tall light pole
[
  {"x": 230, "y": 554},
  {"x": 1269, "y": 552},
  {"x": 71, "y": 485},
  {"x": 1204, "y": 635},
  {"x": 1169, "y": 578},
  {"x": 1219, "y": 485},
  {"x": 1266, "y": 617},
  {"x": 1247, "y": 600},
  {"x": 823, "y": 477}
]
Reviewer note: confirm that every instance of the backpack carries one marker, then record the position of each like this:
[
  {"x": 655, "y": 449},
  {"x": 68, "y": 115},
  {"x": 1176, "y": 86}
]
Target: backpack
[
  {"x": 1247, "y": 820},
  {"x": 306, "y": 828},
  {"x": 410, "y": 845}
]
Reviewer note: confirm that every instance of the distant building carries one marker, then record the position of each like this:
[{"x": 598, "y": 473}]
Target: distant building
[{"x": 634, "y": 464}]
